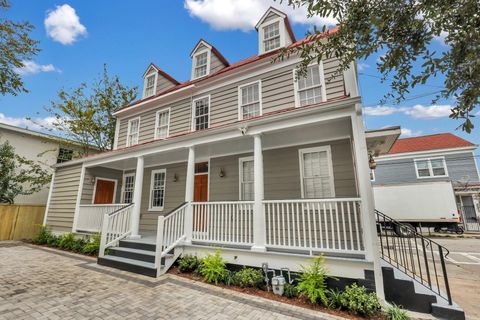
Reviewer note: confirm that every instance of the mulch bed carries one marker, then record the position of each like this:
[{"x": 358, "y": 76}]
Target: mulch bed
[{"x": 299, "y": 302}]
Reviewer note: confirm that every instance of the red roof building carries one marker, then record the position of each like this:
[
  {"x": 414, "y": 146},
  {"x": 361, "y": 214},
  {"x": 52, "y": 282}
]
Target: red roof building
[{"x": 430, "y": 142}]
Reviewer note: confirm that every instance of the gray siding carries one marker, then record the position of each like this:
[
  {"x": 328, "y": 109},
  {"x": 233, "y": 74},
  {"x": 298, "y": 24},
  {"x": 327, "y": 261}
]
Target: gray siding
[
  {"x": 215, "y": 63},
  {"x": 271, "y": 16},
  {"x": 162, "y": 82},
  {"x": 403, "y": 170},
  {"x": 64, "y": 198},
  {"x": 100, "y": 172}
]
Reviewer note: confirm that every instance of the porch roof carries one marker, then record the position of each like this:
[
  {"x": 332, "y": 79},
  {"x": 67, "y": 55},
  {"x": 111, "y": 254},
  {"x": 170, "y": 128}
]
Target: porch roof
[{"x": 380, "y": 141}]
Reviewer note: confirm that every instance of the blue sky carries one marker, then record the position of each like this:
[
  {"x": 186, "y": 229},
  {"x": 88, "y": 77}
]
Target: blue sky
[{"x": 78, "y": 37}]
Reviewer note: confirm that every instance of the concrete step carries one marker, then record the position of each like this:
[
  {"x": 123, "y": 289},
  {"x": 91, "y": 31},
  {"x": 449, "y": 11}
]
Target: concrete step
[{"x": 132, "y": 265}]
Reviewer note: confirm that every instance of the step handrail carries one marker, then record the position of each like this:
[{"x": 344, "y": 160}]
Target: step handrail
[
  {"x": 115, "y": 227},
  {"x": 414, "y": 255}
]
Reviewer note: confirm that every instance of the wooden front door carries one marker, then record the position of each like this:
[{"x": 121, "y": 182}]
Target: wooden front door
[
  {"x": 201, "y": 188},
  {"x": 104, "y": 192}
]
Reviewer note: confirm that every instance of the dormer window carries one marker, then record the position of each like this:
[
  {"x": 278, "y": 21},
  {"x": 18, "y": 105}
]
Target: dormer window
[
  {"x": 274, "y": 31},
  {"x": 149, "y": 85},
  {"x": 271, "y": 36},
  {"x": 200, "y": 64}
]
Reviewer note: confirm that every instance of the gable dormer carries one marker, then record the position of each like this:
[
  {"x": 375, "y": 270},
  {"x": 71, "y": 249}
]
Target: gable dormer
[
  {"x": 206, "y": 59},
  {"x": 155, "y": 80},
  {"x": 274, "y": 31}
]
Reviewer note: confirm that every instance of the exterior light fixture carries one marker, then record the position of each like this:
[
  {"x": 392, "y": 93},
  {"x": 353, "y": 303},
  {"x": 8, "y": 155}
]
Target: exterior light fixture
[
  {"x": 371, "y": 162},
  {"x": 221, "y": 174},
  {"x": 175, "y": 177}
]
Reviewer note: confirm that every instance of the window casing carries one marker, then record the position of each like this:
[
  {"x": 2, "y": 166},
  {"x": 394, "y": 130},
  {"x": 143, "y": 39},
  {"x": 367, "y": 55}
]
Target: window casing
[
  {"x": 250, "y": 100},
  {"x": 201, "y": 64},
  {"x": 64, "y": 155},
  {"x": 157, "y": 189},
  {"x": 271, "y": 36},
  {"x": 246, "y": 179},
  {"x": 431, "y": 168},
  {"x": 149, "y": 85},
  {"x": 316, "y": 172},
  {"x": 201, "y": 113},
  {"x": 162, "y": 124},
  {"x": 310, "y": 89},
  {"x": 133, "y": 132},
  {"x": 128, "y": 187}
]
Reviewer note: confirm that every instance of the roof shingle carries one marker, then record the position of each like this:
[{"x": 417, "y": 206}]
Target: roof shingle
[{"x": 430, "y": 142}]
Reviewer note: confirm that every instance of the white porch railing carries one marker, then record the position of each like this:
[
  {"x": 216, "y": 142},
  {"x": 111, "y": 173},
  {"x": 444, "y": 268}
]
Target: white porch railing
[
  {"x": 116, "y": 226},
  {"x": 331, "y": 225},
  {"x": 223, "y": 222},
  {"x": 90, "y": 216}
]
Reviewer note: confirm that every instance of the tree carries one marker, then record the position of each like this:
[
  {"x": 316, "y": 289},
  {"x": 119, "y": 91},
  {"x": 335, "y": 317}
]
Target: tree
[
  {"x": 18, "y": 175},
  {"x": 16, "y": 46},
  {"x": 87, "y": 117},
  {"x": 402, "y": 31}
]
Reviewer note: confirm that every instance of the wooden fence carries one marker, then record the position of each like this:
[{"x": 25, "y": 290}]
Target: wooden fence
[{"x": 19, "y": 222}]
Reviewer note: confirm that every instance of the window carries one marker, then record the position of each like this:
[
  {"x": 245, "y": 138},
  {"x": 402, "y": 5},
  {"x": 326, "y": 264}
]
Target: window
[
  {"x": 201, "y": 110},
  {"x": 64, "y": 155},
  {"x": 246, "y": 179},
  {"x": 133, "y": 129},
  {"x": 157, "y": 189},
  {"x": 201, "y": 167},
  {"x": 434, "y": 167},
  {"x": 149, "y": 85},
  {"x": 162, "y": 124},
  {"x": 128, "y": 185},
  {"x": 200, "y": 61},
  {"x": 271, "y": 36},
  {"x": 310, "y": 89},
  {"x": 250, "y": 100},
  {"x": 316, "y": 172}
]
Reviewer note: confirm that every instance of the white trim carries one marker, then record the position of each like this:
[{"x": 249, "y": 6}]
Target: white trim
[
  {"x": 240, "y": 175},
  {"x": 152, "y": 174},
  {"x": 79, "y": 197},
  {"x": 322, "y": 83},
  {"x": 476, "y": 165},
  {"x": 157, "y": 123},
  {"x": 50, "y": 191},
  {"x": 105, "y": 179},
  {"x": 281, "y": 30},
  {"x": 154, "y": 84},
  {"x": 426, "y": 153},
  {"x": 124, "y": 176},
  {"x": 239, "y": 107},
  {"x": 117, "y": 133},
  {"x": 430, "y": 169},
  {"x": 264, "y": 16},
  {"x": 127, "y": 143},
  {"x": 193, "y": 127},
  {"x": 194, "y": 62},
  {"x": 326, "y": 149}
]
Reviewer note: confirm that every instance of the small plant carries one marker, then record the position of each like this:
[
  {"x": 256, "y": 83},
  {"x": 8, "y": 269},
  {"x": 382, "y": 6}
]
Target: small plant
[
  {"x": 394, "y": 312},
  {"x": 290, "y": 291},
  {"x": 249, "y": 277},
  {"x": 357, "y": 300},
  {"x": 67, "y": 241},
  {"x": 44, "y": 235},
  {"x": 93, "y": 246},
  {"x": 229, "y": 278},
  {"x": 188, "y": 263},
  {"x": 334, "y": 297},
  {"x": 312, "y": 282},
  {"x": 212, "y": 268}
]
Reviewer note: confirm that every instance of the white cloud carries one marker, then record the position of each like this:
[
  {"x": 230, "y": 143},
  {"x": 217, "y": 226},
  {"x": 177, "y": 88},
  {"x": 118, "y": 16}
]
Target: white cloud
[
  {"x": 441, "y": 38},
  {"x": 431, "y": 112},
  {"x": 63, "y": 25},
  {"x": 410, "y": 133},
  {"x": 31, "y": 67},
  {"x": 362, "y": 66},
  {"x": 36, "y": 124},
  {"x": 243, "y": 15},
  {"x": 380, "y": 110}
]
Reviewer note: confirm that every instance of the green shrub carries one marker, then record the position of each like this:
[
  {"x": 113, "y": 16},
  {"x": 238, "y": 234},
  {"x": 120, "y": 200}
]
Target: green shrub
[
  {"x": 249, "y": 277},
  {"x": 53, "y": 241},
  {"x": 43, "y": 236},
  {"x": 290, "y": 291},
  {"x": 229, "y": 278},
  {"x": 188, "y": 263},
  {"x": 67, "y": 241},
  {"x": 334, "y": 297},
  {"x": 213, "y": 268},
  {"x": 93, "y": 245},
  {"x": 394, "y": 312},
  {"x": 357, "y": 300},
  {"x": 312, "y": 283}
]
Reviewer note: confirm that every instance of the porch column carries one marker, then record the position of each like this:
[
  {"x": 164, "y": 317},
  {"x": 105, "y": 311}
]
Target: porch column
[
  {"x": 137, "y": 198},
  {"x": 365, "y": 190},
  {"x": 259, "y": 237},
  {"x": 189, "y": 189}
]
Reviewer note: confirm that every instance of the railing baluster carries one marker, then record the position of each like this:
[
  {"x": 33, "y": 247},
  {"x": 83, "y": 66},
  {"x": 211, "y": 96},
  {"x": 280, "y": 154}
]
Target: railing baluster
[{"x": 309, "y": 226}]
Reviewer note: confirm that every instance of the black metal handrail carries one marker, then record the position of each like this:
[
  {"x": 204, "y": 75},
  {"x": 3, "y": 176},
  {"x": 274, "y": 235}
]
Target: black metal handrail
[{"x": 420, "y": 258}]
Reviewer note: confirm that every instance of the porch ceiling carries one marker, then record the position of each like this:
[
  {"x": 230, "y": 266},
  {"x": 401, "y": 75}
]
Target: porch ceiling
[{"x": 380, "y": 141}]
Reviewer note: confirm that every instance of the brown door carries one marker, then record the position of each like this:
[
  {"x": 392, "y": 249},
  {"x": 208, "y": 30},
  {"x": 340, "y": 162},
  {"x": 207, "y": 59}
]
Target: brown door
[
  {"x": 104, "y": 192},
  {"x": 201, "y": 188}
]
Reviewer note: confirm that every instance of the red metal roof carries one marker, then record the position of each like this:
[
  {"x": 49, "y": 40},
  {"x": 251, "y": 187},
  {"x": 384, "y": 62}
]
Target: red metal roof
[{"x": 430, "y": 142}]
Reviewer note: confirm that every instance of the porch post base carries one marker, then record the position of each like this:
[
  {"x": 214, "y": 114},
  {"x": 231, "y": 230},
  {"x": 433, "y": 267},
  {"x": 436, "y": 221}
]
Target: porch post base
[
  {"x": 259, "y": 249},
  {"x": 134, "y": 237}
]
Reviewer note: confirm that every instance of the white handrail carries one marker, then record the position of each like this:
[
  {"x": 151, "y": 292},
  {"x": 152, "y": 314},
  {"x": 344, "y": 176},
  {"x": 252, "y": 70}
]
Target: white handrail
[
  {"x": 116, "y": 226},
  {"x": 90, "y": 217}
]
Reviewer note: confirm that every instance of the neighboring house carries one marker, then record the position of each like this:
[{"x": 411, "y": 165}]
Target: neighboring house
[
  {"x": 243, "y": 156},
  {"x": 430, "y": 160},
  {"x": 44, "y": 148}
]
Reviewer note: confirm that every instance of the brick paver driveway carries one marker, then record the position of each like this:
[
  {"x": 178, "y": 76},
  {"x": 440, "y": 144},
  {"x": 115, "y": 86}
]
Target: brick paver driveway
[{"x": 41, "y": 283}]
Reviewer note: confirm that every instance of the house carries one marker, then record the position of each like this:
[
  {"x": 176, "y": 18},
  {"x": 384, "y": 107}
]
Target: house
[
  {"x": 43, "y": 148},
  {"x": 246, "y": 157},
  {"x": 434, "y": 160}
]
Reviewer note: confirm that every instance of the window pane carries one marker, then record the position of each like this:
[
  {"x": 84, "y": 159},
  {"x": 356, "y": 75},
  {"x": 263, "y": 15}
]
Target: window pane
[
  {"x": 128, "y": 189},
  {"x": 437, "y": 167},
  {"x": 162, "y": 124},
  {"x": 201, "y": 114},
  {"x": 201, "y": 167},
  {"x": 250, "y": 100},
  {"x": 158, "y": 190},
  {"x": 316, "y": 175},
  {"x": 200, "y": 65},
  {"x": 271, "y": 36},
  {"x": 64, "y": 155},
  {"x": 246, "y": 180},
  {"x": 422, "y": 168}
]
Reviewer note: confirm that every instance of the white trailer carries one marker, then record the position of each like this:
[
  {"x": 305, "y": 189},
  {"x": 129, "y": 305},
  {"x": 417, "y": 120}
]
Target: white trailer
[{"x": 424, "y": 204}]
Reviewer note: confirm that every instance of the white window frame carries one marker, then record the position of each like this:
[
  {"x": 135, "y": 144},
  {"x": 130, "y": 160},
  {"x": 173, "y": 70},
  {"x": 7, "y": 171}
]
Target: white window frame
[
  {"x": 157, "y": 123},
  {"x": 124, "y": 178},
  {"x": 240, "y": 111},
  {"x": 154, "y": 84},
  {"x": 261, "y": 34},
  {"x": 194, "y": 62},
  {"x": 430, "y": 169},
  {"x": 301, "y": 152},
  {"x": 240, "y": 176},
  {"x": 152, "y": 174},
  {"x": 193, "y": 112},
  {"x": 128, "y": 142},
  {"x": 106, "y": 179},
  {"x": 322, "y": 84}
]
